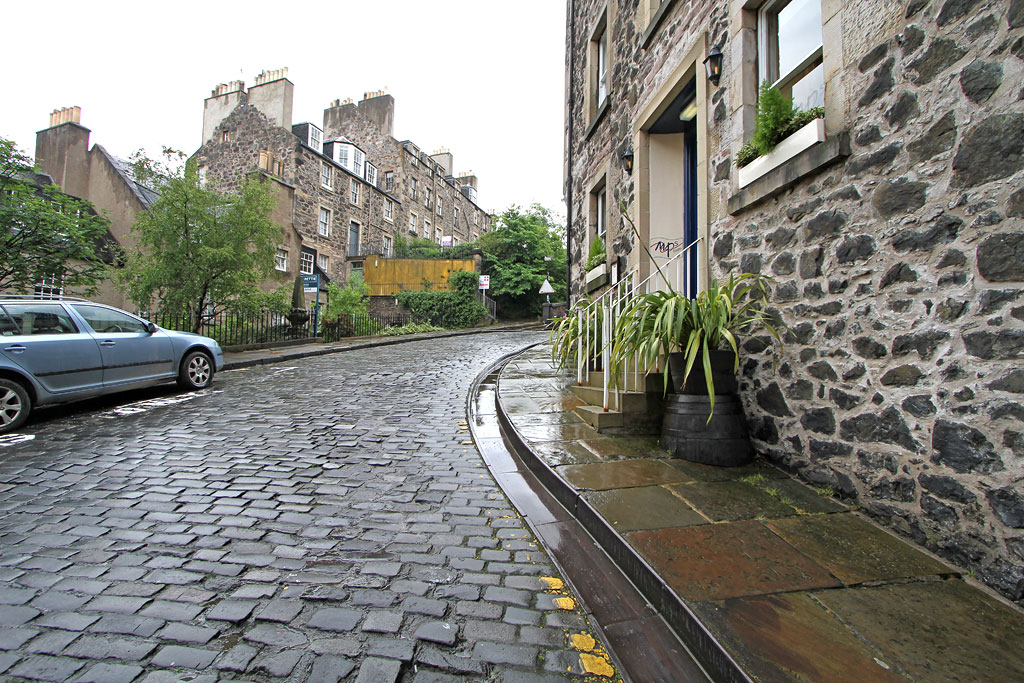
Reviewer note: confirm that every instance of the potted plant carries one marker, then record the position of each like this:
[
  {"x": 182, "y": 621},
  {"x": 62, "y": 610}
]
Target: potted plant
[
  {"x": 567, "y": 334},
  {"x": 780, "y": 133},
  {"x": 597, "y": 265},
  {"x": 298, "y": 316},
  {"x": 700, "y": 338}
]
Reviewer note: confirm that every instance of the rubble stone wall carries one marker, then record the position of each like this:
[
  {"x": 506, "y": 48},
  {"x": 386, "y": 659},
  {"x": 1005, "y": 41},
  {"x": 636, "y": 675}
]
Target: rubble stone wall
[{"x": 899, "y": 267}]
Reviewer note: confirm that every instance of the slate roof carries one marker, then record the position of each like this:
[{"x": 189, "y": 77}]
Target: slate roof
[{"x": 145, "y": 194}]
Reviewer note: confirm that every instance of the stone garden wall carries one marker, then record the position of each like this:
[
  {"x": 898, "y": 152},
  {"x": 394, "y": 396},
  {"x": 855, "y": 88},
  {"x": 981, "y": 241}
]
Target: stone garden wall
[{"x": 899, "y": 267}]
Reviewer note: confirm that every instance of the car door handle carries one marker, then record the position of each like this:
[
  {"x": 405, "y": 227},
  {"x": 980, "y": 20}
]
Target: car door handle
[
  {"x": 108, "y": 342},
  {"x": 17, "y": 348}
]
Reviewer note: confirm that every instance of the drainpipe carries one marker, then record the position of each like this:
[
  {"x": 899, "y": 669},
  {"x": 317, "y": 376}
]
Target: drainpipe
[{"x": 569, "y": 146}]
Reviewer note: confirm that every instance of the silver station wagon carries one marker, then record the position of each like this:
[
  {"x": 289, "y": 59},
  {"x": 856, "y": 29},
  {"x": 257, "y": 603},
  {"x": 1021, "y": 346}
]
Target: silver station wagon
[{"x": 54, "y": 351}]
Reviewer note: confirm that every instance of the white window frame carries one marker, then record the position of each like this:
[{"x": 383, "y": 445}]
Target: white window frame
[
  {"x": 326, "y": 175},
  {"x": 426, "y": 199},
  {"x": 389, "y": 210},
  {"x": 455, "y": 216},
  {"x": 767, "y": 46},
  {"x": 440, "y": 206},
  {"x": 342, "y": 154},
  {"x": 388, "y": 246},
  {"x": 426, "y": 229},
  {"x": 412, "y": 222},
  {"x": 281, "y": 260},
  {"x": 51, "y": 287},
  {"x": 358, "y": 159},
  {"x": 316, "y": 138},
  {"x": 354, "y": 192},
  {"x": 412, "y": 189},
  {"x": 601, "y": 220},
  {"x": 322, "y": 261},
  {"x": 371, "y": 174},
  {"x": 389, "y": 181},
  {"x": 306, "y": 261},
  {"x": 602, "y": 67},
  {"x": 324, "y": 223}
]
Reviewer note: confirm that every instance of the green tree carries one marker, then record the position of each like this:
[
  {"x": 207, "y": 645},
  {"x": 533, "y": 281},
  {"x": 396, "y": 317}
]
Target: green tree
[
  {"x": 352, "y": 299},
  {"x": 514, "y": 255},
  {"x": 198, "y": 249},
  {"x": 45, "y": 233}
]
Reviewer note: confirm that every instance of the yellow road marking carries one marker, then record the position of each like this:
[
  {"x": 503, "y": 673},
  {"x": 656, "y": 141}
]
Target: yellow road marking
[
  {"x": 552, "y": 583},
  {"x": 599, "y": 666},
  {"x": 565, "y": 603},
  {"x": 583, "y": 642}
]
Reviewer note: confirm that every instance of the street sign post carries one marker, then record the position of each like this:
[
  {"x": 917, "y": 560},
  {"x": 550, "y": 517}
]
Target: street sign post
[
  {"x": 547, "y": 289},
  {"x": 310, "y": 284},
  {"x": 485, "y": 282}
]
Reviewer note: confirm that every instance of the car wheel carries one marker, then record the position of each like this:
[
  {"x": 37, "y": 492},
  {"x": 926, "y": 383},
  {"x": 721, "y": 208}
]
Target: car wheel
[
  {"x": 15, "y": 405},
  {"x": 196, "y": 371}
]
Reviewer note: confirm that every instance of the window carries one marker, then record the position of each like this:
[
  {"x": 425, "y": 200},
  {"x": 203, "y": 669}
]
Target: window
[
  {"x": 202, "y": 176},
  {"x": 225, "y": 136},
  {"x": 354, "y": 195},
  {"x": 440, "y": 209},
  {"x": 321, "y": 262},
  {"x": 600, "y": 220},
  {"x": 325, "y": 222},
  {"x": 389, "y": 181},
  {"x": 357, "y": 161},
  {"x": 790, "y": 50},
  {"x": 269, "y": 163},
  {"x": 412, "y": 189},
  {"x": 34, "y": 318},
  {"x": 353, "y": 239},
  {"x": 371, "y": 174},
  {"x": 108, "y": 321},
  {"x": 326, "y": 174},
  {"x": 356, "y": 272},
  {"x": 426, "y": 229},
  {"x": 389, "y": 211},
  {"x": 426, "y": 200},
  {"x": 316, "y": 138},
  {"x": 342, "y": 154},
  {"x": 281, "y": 260},
  {"x": 306, "y": 263},
  {"x": 602, "y": 67},
  {"x": 476, "y": 218},
  {"x": 50, "y": 287},
  {"x": 412, "y": 223},
  {"x": 386, "y": 250},
  {"x": 455, "y": 216}
]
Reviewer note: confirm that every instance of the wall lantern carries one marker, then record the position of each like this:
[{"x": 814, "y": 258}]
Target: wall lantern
[
  {"x": 627, "y": 160},
  {"x": 713, "y": 63}
]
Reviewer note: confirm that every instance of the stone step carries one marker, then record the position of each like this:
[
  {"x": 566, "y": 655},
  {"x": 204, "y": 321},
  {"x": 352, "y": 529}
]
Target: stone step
[
  {"x": 596, "y": 417},
  {"x": 650, "y": 382},
  {"x": 628, "y": 401}
]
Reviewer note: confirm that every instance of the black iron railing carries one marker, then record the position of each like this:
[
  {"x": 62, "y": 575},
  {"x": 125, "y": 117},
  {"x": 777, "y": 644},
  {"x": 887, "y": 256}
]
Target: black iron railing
[{"x": 236, "y": 329}]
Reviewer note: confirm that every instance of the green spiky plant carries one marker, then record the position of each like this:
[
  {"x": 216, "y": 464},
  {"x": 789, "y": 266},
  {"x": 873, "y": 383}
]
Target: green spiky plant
[
  {"x": 597, "y": 255},
  {"x": 568, "y": 332},
  {"x": 777, "y": 119}
]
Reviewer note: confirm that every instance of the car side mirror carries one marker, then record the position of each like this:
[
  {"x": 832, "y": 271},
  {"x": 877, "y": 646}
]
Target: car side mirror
[{"x": 151, "y": 328}]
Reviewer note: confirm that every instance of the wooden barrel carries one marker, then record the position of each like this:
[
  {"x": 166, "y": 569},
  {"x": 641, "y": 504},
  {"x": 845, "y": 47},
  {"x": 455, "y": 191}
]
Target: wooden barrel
[{"x": 687, "y": 434}]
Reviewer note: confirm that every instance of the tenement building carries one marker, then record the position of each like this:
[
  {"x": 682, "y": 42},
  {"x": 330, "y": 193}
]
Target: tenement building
[
  {"x": 347, "y": 189},
  {"x": 891, "y": 225}
]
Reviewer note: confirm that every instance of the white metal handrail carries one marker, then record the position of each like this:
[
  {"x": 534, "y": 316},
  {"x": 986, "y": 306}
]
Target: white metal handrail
[{"x": 596, "y": 321}]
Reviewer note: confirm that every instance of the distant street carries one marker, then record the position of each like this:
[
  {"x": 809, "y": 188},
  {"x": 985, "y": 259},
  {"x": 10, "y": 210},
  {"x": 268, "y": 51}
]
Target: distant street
[{"x": 326, "y": 519}]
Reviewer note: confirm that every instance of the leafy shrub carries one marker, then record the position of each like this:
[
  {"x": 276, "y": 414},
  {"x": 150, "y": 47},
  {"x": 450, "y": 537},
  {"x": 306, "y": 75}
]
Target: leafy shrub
[
  {"x": 597, "y": 255},
  {"x": 776, "y": 120},
  {"x": 411, "y": 328},
  {"x": 452, "y": 309},
  {"x": 419, "y": 248}
]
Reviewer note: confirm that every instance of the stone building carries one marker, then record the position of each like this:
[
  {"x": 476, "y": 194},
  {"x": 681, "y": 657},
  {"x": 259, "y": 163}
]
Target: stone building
[
  {"x": 892, "y": 229},
  {"x": 100, "y": 178},
  {"x": 347, "y": 188}
]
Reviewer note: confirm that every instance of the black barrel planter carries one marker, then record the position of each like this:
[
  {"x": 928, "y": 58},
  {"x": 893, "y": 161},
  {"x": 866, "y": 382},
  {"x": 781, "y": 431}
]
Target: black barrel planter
[{"x": 686, "y": 431}]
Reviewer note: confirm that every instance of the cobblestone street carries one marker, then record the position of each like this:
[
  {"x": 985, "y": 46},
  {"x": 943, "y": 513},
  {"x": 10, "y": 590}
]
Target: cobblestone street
[{"x": 319, "y": 520}]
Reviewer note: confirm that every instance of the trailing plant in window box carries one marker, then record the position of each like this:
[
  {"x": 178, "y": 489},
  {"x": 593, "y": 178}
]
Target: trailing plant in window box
[
  {"x": 776, "y": 120},
  {"x": 597, "y": 254}
]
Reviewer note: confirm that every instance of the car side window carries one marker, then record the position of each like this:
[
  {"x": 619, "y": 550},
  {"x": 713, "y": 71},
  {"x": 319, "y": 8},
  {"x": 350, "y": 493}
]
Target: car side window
[
  {"x": 7, "y": 326},
  {"x": 33, "y": 318},
  {"x": 107, "y": 321}
]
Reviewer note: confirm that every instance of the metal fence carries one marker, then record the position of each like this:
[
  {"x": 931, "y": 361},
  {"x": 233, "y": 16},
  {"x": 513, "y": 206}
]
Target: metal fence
[{"x": 236, "y": 329}]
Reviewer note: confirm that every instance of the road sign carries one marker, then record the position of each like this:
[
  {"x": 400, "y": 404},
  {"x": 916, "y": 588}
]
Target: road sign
[
  {"x": 485, "y": 282},
  {"x": 546, "y": 288},
  {"x": 311, "y": 283}
]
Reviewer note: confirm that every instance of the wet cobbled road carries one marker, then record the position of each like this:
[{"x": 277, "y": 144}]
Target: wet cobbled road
[{"x": 318, "y": 520}]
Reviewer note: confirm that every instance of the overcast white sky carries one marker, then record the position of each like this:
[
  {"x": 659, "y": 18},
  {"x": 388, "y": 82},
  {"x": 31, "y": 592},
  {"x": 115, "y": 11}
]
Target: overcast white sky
[{"x": 484, "y": 78}]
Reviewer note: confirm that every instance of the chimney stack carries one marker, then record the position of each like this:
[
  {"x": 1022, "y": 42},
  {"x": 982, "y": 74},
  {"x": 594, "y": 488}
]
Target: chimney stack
[
  {"x": 272, "y": 94},
  {"x": 378, "y": 106},
  {"x": 221, "y": 102},
  {"x": 65, "y": 115}
]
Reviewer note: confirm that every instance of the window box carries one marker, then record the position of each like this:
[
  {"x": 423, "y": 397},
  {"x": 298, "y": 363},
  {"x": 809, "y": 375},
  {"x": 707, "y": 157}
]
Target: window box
[
  {"x": 806, "y": 137},
  {"x": 597, "y": 277}
]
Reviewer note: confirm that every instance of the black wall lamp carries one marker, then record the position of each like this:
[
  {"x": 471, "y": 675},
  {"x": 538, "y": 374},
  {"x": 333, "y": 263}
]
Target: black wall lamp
[
  {"x": 713, "y": 63},
  {"x": 627, "y": 159}
]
